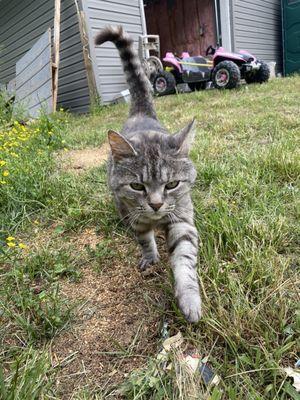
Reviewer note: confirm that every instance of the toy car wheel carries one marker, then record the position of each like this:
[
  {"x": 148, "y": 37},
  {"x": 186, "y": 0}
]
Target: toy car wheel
[
  {"x": 164, "y": 83},
  {"x": 260, "y": 76},
  {"x": 226, "y": 75},
  {"x": 155, "y": 65},
  {"x": 195, "y": 86}
]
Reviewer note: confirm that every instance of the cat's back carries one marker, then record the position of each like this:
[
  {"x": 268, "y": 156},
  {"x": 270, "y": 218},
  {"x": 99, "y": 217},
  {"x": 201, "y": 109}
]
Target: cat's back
[{"x": 140, "y": 125}]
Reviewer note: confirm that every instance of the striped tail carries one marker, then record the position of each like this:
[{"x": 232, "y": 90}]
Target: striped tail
[{"x": 139, "y": 85}]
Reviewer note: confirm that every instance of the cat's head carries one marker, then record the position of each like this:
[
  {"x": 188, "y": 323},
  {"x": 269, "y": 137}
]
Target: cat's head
[{"x": 152, "y": 172}]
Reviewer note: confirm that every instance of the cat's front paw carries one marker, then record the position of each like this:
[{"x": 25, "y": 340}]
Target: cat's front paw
[
  {"x": 190, "y": 304},
  {"x": 147, "y": 262}
]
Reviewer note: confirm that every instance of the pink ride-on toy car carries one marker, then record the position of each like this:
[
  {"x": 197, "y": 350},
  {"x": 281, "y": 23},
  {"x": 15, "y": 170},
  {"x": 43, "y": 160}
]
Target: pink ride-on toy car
[{"x": 224, "y": 69}]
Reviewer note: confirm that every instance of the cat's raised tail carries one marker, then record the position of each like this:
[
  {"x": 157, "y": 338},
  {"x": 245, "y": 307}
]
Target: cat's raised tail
[{"x": 139, "y": 85}]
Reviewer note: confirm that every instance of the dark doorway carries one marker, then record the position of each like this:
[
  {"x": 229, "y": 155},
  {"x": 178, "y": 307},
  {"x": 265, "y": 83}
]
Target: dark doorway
[{"x": 183, "y": 25}]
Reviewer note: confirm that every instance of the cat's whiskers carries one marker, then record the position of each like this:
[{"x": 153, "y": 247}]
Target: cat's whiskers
[
  {"x": 171, "y": 217},
  {"x": 133, "y": 220}
]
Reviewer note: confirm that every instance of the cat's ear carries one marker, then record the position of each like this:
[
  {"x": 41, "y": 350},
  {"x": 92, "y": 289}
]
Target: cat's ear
[
  {"x": 120, "y": 147},
  {"x": 184, "y": 138}
]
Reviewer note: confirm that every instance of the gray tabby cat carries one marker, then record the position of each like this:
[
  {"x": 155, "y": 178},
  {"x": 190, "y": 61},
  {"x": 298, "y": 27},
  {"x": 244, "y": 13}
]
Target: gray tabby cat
[{"x": 151, "y": 176}]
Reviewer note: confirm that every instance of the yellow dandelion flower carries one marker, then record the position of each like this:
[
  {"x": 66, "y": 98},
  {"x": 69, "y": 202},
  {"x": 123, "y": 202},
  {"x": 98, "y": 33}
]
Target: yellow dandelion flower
[
  {"x": 23, "y": 246},
  {"x": 11, "y": 244},
  {"x": 5, "y": 173},
  {"x": 2, "y": 163},
  {"x": 10, "y": 238}
]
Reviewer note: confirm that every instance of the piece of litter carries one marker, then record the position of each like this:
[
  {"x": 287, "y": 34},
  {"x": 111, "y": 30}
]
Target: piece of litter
[
  {"x": 297, "y": 365},
  {"x": 165, "y": 330},
  {"x": 208, "y": 375},
  {"x": 295, "y": 375},
  {"x": 169, "y": 344},
  {"x": 171, "y": 357},
  {"x": 173, "y": 342},
  {"x": 195, "y": 363},
  {"x": 192, "y": 362}
]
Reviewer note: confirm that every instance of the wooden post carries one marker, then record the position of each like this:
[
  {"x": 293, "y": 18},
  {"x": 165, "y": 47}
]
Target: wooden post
[
  {"x": 86, "y": 57},
  {"x": 56, "y": 44}
]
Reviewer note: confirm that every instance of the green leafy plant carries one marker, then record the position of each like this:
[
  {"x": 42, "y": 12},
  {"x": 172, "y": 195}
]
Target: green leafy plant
[{"x": 29, "y": 376}]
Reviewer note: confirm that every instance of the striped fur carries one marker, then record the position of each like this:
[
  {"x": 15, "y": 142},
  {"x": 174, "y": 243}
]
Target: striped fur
[
  {"x": 139, "y": 85},
  {"x": 144, "y": 153}
]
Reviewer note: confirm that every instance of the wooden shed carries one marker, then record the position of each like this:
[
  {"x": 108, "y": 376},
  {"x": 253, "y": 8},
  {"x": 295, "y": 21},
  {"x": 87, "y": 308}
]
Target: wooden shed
[
  {"x": 183, "y": 25},
  {"x": 193, "y": 25}
]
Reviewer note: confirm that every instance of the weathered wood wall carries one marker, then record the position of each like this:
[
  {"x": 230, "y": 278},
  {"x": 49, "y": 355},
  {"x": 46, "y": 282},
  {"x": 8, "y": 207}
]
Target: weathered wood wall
[
  {"x": 183, "y": 25},
  {"x": 34, "y": 77}
]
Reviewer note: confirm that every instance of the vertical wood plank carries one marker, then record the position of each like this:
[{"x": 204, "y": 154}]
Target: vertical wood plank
[
  {"x": 93, "y": 93},
  {"x": 56, "y": 45}
]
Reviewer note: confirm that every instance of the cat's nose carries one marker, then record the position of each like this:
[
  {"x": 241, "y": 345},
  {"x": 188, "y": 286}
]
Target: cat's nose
[{"x": 155, "y": 206}]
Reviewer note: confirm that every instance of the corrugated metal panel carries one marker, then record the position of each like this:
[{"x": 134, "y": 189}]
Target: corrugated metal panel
[
  {"x": 257, "y": 28},
  {"x": 22, "y": 23},
  {"x": 106, "y": 61}
]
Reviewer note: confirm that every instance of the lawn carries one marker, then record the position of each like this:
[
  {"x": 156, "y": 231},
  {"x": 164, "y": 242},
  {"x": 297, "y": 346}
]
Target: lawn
[{"x": 78, "y": 321}]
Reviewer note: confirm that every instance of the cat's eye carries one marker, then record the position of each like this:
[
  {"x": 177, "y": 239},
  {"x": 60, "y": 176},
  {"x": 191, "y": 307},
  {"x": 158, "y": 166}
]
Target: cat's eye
[
  {"x": 137, "y": 186},
  {"x": 172, "y": 185}
]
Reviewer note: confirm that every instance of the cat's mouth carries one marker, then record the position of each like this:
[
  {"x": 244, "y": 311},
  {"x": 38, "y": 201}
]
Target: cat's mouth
[
  {"x": 156, "y": 216},
  {"x": 153, "y": 216}
]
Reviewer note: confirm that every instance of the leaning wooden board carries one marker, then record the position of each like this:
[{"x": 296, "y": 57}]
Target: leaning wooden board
[{"x": 34, "y": 78}]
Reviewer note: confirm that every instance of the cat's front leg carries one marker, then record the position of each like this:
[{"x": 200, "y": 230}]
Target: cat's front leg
[
  {"x": 150, "y": 253},
  {"x": 182, "y": 240}
]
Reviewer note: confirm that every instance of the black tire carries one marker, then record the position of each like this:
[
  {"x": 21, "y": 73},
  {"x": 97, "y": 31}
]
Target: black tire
[
  {"x": 164, "y": 83},
  {"x": 260, "y": 76},
  {"x": 231, "y": 75},
  {"x": 195, "y": 86}
]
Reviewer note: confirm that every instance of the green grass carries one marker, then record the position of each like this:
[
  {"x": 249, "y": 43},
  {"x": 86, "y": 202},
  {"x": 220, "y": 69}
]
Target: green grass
[{"x": 247, "y": 212}]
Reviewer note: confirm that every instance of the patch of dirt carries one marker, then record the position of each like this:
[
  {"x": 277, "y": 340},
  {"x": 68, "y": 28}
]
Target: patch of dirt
[
  {"x": 81, "y": 160},
  {"x": 116, "y": 325}
]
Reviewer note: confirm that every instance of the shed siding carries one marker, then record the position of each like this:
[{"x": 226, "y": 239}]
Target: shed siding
[
  {"x": 106, "y": 61},
  {"x": 21, "y": 25},
  {"x": 34, "y": 77},
  {"x": 257, "y": 28}
]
